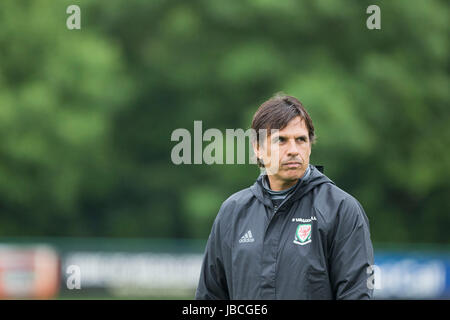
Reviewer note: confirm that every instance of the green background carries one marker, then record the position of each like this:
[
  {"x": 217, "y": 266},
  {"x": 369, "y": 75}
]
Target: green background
[{"x": 86, "y": 115}]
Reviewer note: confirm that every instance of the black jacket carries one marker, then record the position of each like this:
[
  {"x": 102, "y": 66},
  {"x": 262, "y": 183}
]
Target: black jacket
[{"x": 315, "y": 245}]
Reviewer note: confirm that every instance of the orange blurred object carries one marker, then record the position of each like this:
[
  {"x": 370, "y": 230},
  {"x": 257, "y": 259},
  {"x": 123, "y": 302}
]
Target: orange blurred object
[{"x": 30, "y": 272}]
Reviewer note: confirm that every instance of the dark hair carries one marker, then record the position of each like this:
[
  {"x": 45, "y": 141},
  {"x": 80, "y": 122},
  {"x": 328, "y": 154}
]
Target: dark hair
[{"x": 276, "y": 113}]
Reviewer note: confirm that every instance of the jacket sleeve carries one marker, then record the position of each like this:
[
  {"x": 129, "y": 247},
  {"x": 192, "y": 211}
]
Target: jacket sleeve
[
  {"x": 351, "y": 253},
  {"x": 213, "y": 283}
]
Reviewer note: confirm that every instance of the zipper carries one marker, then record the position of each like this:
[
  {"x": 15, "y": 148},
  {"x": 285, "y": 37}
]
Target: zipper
[{"x": 276, "y": 208}]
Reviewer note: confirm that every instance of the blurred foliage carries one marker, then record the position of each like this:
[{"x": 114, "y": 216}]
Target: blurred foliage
[{"x": 86, "y": 115}]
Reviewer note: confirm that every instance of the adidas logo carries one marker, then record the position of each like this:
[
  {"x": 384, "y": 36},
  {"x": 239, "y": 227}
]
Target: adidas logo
[{"x": 247, "y": 237}]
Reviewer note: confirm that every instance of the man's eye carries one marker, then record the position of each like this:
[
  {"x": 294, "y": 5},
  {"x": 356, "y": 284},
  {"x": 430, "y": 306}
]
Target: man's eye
[
  {"x": 281, "y": 139},
  {"x": 301, "y": 139}
]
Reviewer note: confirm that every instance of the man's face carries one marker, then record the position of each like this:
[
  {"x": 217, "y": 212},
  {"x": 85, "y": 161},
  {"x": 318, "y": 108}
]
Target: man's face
[{"x": 286, "y": 153}]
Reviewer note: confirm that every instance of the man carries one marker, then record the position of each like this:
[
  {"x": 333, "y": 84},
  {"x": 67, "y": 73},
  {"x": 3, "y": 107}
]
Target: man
[{"x": 293, "y": 234}]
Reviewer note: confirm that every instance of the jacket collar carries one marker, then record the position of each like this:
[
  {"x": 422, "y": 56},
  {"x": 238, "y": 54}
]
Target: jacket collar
[{"x": 314, "y": 179}]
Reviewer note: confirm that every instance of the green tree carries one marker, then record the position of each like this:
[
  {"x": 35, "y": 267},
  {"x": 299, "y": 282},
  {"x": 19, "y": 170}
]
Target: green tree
[{"x": 86, "y": 115}]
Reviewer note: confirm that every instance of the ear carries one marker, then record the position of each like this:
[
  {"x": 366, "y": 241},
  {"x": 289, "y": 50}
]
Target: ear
[{"x": 255, "y": 149}]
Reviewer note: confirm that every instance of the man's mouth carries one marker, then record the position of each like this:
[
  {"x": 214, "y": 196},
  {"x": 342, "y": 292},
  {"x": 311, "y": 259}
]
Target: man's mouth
[{"x": 292, "y": 164}]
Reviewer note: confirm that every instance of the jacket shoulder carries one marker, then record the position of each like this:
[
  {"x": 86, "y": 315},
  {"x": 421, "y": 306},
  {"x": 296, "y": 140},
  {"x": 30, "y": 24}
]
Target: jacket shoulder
[
  {"x": 330, "y": 200},
  {"x": 236, "y": 200},
  {"x": 232, "y": 204}
]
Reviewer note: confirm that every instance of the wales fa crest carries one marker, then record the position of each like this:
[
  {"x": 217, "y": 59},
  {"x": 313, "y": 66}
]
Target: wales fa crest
[{"x": 303, "y": 234}]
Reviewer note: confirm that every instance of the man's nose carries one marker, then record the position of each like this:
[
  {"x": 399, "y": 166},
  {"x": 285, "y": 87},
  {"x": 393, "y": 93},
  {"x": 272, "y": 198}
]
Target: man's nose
[{"x": 292, "y": 148}]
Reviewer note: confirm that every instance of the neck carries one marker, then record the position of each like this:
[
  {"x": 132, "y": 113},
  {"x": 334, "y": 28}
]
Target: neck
[{"x": 279, "y": 185}]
